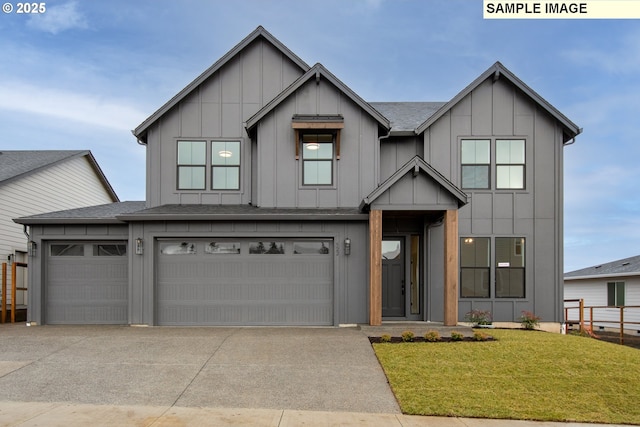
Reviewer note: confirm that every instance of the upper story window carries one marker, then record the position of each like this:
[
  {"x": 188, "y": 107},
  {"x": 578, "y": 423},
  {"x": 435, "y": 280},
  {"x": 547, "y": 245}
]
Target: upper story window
[
  {"x": 223, "y": 162},
  {"x": 192, "y": 161},
  {"x": 476, "y": 160},
  {"x": 225, "y": 165},
  {"x": 317, "y": 158},
  {"x": 510, "y": 163}
]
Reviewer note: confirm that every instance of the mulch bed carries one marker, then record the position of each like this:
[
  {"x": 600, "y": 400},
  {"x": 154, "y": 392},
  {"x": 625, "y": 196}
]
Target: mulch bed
[{"x": 397, "y": 340}]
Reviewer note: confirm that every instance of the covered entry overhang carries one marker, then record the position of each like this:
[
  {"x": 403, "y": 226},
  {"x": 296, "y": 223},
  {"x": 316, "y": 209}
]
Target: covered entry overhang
[{"x": 415, "y": 188}]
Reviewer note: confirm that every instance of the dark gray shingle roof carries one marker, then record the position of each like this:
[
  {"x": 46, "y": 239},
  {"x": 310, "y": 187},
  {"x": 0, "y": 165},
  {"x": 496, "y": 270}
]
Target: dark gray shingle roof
[
  {"x": 92, "y": 214},
  {"x": 14, "y": 164},
  {"x": 239, "y": 212},
  {"x": 406, "y": 116},
  {"x": 623, "y": 266}
]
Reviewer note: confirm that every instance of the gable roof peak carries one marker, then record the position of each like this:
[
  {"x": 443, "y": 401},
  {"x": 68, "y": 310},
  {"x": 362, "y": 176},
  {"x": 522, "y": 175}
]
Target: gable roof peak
[
  {"x": 140, "y": 132},
  {"x": 496, "y": 71},
  {"x": 318, "y": 71}
]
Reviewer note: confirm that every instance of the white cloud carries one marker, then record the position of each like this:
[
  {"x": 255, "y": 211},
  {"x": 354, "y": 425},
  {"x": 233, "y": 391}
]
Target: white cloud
[
  {"x": 58, "y": 18},
  {"x": 84, "y": 108}
]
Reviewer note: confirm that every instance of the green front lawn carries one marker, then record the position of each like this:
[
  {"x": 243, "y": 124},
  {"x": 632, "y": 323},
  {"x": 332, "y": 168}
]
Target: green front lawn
[{"x": 527, "y": 375}]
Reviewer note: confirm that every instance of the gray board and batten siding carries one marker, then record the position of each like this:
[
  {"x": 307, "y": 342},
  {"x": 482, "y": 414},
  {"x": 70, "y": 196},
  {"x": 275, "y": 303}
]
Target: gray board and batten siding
[{"x": 401, "y": 159}]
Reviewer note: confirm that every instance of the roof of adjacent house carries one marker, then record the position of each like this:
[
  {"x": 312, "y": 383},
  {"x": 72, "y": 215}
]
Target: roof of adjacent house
[
  {"x": 622, "y": 267},
  {"x": 92, "y": 214},
  {"x": 16, "y": 164}
]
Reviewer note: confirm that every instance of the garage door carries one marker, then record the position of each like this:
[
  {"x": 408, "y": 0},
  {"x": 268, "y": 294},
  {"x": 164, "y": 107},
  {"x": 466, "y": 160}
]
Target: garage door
[
  {"x": 87, "y": 283},
  {"x": 245, "y": 282}
]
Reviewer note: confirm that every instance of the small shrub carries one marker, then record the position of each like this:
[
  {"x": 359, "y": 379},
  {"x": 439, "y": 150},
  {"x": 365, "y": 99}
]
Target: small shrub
[
  {"x": 407, "y": 336},
  {"x": 432, "y": 336},
  {"x": 528, "y": 320},
  {"x": 481, "y": 336},
  {"x": 456, "y": 336},
  {"x": 479, "y": 317},
  {"x": 385, "y": 338}
]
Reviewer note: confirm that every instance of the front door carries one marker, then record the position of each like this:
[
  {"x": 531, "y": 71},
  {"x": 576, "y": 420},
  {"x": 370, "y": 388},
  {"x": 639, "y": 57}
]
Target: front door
[{"x": 393, "y": 282}]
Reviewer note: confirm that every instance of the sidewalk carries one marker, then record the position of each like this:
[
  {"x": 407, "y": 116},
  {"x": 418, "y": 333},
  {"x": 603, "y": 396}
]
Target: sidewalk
[{"x": 65, "y": 414}]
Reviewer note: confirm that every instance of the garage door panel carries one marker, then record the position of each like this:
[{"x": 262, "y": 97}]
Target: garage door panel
[
  {"x": 87, "y": 288},
  {"x": 246, "y": 287}
]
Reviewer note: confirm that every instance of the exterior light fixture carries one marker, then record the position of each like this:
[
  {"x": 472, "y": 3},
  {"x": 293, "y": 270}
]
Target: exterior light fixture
[
  {"x": 33, "y": 248},
  {"x": 347, "y": 246},
  {"x": 139, "y": 246},
  {"x": 225, "y": 153}
]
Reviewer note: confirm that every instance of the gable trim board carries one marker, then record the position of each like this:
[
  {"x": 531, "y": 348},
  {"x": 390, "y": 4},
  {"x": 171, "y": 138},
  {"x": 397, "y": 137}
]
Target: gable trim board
[
  {"x": 495, "y": 72},
  {"x": 395, "y": 177},
  {"x": 416, "y": 166},
  {"x": 316, "y": 72}
]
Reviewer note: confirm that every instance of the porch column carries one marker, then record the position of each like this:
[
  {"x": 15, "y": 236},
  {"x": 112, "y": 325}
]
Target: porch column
[
  {"x": 375, "y": 267},
  {"x": 451, "y": 268}
]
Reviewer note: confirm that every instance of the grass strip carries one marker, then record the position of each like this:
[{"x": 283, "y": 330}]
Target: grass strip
[{"x": 527, "y": 375}]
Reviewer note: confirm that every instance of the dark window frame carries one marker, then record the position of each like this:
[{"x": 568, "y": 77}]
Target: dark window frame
[
  {"x": 519, "y": 250},
  {"x": 191, "y": 166},
  {"x": 331, "y": 161},
  {"x": 226, "y": 167},
  {"x": 475, "y": 166},
  {"x": 523, "y": 165},
  {"x": 474, "y": 268}
]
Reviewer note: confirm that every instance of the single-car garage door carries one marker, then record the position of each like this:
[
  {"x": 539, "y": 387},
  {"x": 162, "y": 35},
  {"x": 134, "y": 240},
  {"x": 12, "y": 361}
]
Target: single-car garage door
[
  {"x": 244, "y": 282},
  {"x": 87, "y": 283}
]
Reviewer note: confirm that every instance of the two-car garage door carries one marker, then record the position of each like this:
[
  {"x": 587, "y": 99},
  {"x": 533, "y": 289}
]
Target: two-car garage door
[
  {"x": 197, "y": 282},
  {"x": 244, "y": 282}
]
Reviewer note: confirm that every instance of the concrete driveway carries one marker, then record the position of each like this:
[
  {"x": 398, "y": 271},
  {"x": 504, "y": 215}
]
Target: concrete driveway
[{"x": 315, "y": 369}]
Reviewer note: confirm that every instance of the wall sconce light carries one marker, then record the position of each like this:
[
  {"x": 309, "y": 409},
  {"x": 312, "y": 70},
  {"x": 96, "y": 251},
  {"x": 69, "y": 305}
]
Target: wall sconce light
[
  {"x": 33, "y": 248},
  {"x": 347, "y": 246},
  {"x": 139, "y": 246}
]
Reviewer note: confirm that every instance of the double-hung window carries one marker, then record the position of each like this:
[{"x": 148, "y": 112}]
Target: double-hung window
[
  {"x": 225, "y": 165},
  {"x": 192, "y": 161},
  {"x": 317, "y": 158},
  {"x": 615, "y": 294},
  {"x": 476, "y": 161},
  {"x": 475, "y": 267},
  {"x": 510, "y": 264},
  {"x": 510, "y": 164}
]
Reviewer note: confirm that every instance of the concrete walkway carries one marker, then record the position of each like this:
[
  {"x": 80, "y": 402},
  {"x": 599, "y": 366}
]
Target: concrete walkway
[{"x": 136, "y": 376}]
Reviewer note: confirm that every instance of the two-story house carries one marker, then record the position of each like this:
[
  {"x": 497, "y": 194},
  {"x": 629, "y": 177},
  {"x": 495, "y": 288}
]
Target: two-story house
[{"x": 277, "y": 196}]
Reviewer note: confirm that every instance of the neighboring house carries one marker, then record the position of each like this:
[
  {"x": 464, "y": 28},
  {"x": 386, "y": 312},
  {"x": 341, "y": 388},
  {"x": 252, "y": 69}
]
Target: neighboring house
[
  {"x": 33, "y": 182},
  {"x": 278, "y": 196},
  {"x": 607, "y": 286}
]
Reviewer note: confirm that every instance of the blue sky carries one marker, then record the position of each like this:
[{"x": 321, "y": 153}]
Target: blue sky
[{"x": 84, "y": 73}]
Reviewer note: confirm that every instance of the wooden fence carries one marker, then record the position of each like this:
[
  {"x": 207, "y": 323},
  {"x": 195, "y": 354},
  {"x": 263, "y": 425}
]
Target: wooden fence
[
  {"x": 14, "y": 289},
  {"x": 587, "y": 316}
]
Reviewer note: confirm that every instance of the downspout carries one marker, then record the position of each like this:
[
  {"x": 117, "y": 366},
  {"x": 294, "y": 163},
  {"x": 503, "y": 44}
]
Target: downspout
[
  {"x": 379, "y": 159},
  {"x": 138, "y": 139},
  {"x": 573, "y": 140},
  {"x": 24, "y": 229}
]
